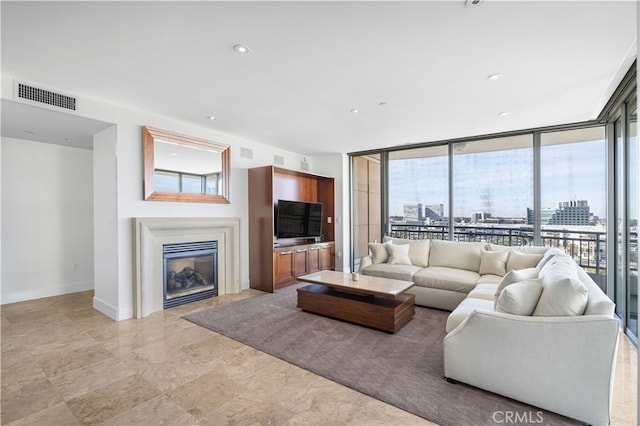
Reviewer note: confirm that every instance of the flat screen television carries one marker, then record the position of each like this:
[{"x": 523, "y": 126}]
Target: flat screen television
[{"x": 298, "y": 219}]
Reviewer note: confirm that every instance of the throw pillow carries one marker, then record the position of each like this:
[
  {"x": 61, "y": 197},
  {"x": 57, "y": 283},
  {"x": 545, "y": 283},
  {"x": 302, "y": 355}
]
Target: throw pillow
[
  {"x": 520, "y": 298},
  {"x": 399, "y": 254},
  {"x": 522, "y": 261},
  {"x": 418, "y": 249},
  {"x": 419, "y": 253},
  {"x": 379, "y": 253},
  {"x": 493, "y": 262},
  {"x": 515, "y": 276},
  {"x": 562, "y": 297}
]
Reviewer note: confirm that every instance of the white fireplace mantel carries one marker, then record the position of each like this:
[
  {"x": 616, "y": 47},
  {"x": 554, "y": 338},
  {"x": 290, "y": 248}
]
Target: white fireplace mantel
[{"x": 151, "y": 233}]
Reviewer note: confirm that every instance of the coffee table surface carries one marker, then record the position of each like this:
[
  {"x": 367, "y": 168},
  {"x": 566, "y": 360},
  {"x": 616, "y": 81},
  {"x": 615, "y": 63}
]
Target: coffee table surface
[{"x": 366, "y": 284}]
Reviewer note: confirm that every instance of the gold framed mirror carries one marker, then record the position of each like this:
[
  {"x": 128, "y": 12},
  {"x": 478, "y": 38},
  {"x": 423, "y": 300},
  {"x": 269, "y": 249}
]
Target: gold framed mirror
[{"x": 184, "y": 168}]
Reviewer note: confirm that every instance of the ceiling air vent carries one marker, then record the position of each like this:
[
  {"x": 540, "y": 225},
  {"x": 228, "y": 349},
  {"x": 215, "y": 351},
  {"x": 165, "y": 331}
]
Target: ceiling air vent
[{"x": 43, "y": 97}]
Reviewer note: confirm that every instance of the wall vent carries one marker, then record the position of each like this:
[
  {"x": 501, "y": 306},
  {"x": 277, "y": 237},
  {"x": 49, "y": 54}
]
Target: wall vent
[
  {"x": 278, "y": 160},
  {"x": 246, "y": 153},
  {"x": 31, "y": 94}
]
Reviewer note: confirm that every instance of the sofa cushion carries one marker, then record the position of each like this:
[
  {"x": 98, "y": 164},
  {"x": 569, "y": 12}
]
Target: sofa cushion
[
  {"x": 548, "y": 255},
  {"x": 464, "y": 309},
  {"x": 555, "y": 260},
  {"x": 484, "y": 291},
  {"x": 379, "y": 253},
  {"x": 418, "y": 249},
  {"x": 396, "y": 272},
  {"x": 493, "y": 262},
  {"x": 398, "y": 254},
  {"x": 519, "y": 260},
  {"x": 515, "y": 276},
  {"x": 443, "y": 278},
  {"x": 456, "y": 255},
  {"x": 519, "y": 249},
  {"x": 489, "y": 279},
  {"x": 561, "y": 298},
  {"x": 562, "y": 291},
  {"x": 598, "y": 302},
  {"x": 520, "y": 298}
]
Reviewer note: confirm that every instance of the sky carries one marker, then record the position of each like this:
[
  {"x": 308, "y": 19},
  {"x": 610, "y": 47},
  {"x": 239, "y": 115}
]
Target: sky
[{"x": 501, "y": 182}]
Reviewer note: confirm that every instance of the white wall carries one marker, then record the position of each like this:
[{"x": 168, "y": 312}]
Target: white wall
[
  {"x": 337, "y": 165},
  {"x": 47, "y": 220},
  {"x": 105, "y": 219}
]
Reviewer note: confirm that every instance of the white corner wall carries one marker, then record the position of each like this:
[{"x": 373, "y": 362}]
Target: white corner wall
[
  {"x": 105, "y": 217},
  {"x": 47, "y": 220}
]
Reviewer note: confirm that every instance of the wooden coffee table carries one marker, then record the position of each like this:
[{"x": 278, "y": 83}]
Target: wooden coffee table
[{"x": 374, "y": 302}]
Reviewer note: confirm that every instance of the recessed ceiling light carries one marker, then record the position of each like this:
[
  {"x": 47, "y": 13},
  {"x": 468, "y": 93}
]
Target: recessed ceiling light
[
  {"x": 355, "y": 110},
  {"x": 240, "y": 48},
  {"x": 496, "y": 76},
  {"x": 211, "y": 117},
  {"x": 503, "y": 113},
  {"x": 473, "y": 3}
]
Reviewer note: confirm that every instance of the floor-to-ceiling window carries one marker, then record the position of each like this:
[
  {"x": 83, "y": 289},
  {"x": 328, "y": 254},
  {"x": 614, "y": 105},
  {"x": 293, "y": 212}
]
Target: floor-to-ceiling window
[
  {"x": 573, "y": 196},
  {"x": 625, "y": 276},
  {"x": 493, "y": 189},
  {"x": 633, "y": 187},
  {"x": 419, "y": 193}
]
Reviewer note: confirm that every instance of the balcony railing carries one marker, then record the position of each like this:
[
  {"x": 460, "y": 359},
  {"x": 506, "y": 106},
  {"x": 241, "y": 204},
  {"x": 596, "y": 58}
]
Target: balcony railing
[{"x": 588, "y": 248}]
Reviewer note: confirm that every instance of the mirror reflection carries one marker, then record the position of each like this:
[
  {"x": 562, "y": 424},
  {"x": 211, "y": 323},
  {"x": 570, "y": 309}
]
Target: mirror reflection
[
  {"x": 184, "y": 168},
  {"x": 179, "y": 168}
]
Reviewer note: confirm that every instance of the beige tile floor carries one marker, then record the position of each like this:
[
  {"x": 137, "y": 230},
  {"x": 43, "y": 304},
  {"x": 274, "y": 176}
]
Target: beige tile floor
[{"x": 64, "y": 363}]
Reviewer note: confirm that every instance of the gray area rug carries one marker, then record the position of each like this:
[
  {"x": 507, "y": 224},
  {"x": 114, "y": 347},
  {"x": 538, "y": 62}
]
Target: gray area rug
[{"x": 404, "y": 369}]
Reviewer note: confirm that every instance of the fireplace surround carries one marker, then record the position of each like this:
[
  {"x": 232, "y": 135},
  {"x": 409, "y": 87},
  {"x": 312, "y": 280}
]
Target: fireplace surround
[{"x": 151, "y": 234}]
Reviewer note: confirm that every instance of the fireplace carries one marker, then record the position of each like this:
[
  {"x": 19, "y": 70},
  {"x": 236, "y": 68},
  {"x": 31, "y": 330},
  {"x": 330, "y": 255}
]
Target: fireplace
[
  {"x": 190, "y": 272},
  {"x": 153, "y": 233}
]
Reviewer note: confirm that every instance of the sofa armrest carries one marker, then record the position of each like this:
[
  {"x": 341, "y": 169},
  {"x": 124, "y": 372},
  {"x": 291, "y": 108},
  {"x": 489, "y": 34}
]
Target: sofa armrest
[
  {"x": 562, "y": 364},
  {"x": 365, "y": 262}
]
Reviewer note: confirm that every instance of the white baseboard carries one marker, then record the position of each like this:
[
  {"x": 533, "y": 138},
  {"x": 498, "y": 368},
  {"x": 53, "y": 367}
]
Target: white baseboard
[
  {"x": 39, "y": 293},
  {"x": 111, "y": 311}
]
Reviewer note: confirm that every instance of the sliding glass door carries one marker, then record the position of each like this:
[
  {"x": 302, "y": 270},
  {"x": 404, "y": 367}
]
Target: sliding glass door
[
  {"x": 625, "y": 129},
  {"x": 632, "y": 218}
]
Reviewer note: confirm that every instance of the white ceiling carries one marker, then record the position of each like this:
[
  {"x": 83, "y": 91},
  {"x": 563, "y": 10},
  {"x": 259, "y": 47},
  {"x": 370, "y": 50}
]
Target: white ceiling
[{"x": 311, "y": 63}]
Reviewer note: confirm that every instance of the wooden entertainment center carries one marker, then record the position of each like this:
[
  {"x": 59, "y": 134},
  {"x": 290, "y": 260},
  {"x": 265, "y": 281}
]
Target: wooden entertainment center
[{"x": 274, "y": 262}]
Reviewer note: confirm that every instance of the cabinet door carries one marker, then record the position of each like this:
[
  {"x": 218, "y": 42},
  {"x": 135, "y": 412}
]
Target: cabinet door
[
  {"x": 300, "y": 261},
  {"x": 283, "y": 270},
  {"x": 313, "y": 259},
  {"x": 326, "y": 257}
]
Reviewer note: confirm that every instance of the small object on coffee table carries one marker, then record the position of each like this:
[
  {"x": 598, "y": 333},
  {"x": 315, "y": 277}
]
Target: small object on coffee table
[{"x": 375, "y": 302}]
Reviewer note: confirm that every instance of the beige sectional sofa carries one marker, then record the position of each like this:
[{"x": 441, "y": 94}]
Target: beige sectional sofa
[{"x": 526, "y": 322}]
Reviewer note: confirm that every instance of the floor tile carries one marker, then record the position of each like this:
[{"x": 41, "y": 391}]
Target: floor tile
[
  {"x": 111, "y": 400},
  {"x": 58, "y": 414},
  {"x": 28, "y": 399}
]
